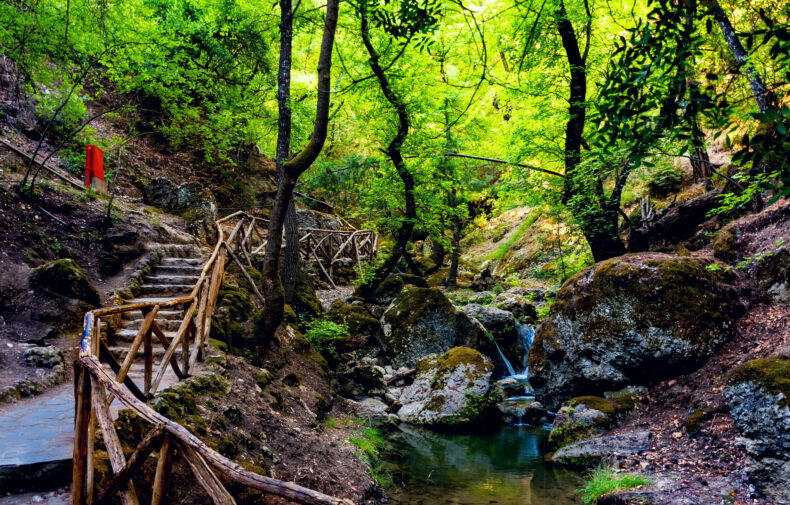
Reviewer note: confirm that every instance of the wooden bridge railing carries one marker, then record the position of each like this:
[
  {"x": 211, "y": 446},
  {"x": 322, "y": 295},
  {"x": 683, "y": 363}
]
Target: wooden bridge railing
[
  {"x": 96, "y": 386},
  {"x": 324, "y": 248}
]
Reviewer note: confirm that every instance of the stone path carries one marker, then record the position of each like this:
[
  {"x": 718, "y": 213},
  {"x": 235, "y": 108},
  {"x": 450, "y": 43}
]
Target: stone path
[
  {"x": 36, "y": 434},
  {"x": 36, "y": 440}
]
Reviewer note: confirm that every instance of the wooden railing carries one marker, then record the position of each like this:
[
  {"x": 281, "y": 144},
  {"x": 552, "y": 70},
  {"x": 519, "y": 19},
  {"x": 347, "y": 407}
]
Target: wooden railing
[{"x": 96, "y": 387}]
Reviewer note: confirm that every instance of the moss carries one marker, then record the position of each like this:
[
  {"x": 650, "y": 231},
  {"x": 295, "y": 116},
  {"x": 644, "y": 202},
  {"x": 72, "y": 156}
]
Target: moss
[
  {"x": 264, "y": 378},
  {"x": 772, "y": 374},
  {"x": 65, "y": 277},
  {"x": 724, "y": 245},
  {"x": 220, "y": 346},
  {"x": 452, "y": 359},
  {"x": 228, "y": 447},
  {"x": 355, "y": 317},
  {"x": 236, "y": 303},
  {"x": 305, "y": 303},
  {"x": 388, "y": 289},
  {"x": 436, "y": 403},
  {"x": 322, "y": 406},
  {"x": 697, "y": 418},
  {"x": 608, "y": 407}
]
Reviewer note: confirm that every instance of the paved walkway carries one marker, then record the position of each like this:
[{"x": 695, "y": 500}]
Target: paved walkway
[{"x": 38, "y": 429}]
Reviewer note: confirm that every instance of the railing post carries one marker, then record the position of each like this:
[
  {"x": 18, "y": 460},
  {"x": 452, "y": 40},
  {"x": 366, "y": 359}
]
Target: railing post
[{"x": 82, "y": 415}]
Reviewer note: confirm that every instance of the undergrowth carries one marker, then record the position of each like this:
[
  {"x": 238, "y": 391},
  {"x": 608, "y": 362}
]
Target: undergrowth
[
  {"x": 505, "y": 247},
  {"x": 370, "y": 441},
  {"x": 605, "y": 480}
]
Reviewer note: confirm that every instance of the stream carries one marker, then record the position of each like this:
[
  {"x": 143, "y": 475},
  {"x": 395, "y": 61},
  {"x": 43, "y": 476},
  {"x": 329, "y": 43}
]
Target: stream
[{"x": 504, "y": 467}]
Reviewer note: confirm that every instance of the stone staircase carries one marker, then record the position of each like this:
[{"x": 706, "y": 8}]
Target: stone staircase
[{"x": 172, "y": 274}]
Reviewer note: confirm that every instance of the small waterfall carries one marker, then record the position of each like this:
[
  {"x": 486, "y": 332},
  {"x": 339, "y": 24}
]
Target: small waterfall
[{"x": 510, "y": 371}]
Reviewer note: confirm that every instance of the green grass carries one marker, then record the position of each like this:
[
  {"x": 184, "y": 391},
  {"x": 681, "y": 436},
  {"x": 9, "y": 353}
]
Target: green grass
[
  {"x": 605, "y": 480},
  {"x": 370, "y": 442},
  {"x": 505, "y": 247}
]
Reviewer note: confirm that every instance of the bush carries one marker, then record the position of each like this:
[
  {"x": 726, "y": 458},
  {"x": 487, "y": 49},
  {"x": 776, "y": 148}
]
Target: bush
[
  {"x": 322, "y": 334},
  {"x": 605, "y": 480}
]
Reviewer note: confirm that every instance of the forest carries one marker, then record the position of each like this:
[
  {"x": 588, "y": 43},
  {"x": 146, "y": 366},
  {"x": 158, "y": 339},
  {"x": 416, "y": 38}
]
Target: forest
[{"x": 527, "y": 251}]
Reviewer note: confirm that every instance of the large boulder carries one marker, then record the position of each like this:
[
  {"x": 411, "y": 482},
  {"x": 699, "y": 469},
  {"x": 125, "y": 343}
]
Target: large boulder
[
  {"x": 362, "y": 380},
  {"x": 422, "y": 321},
  {"x": 603, "y": 450},
  {"x": 772, "y": 273},
  {"x": 631, "y": 320},
  {"x": 500, "y": 323},
  {"x": 314, "y": 219},
  {"x": 515, "y": 301},
  {"x": 448, "y": 389},
  {"x": 64, "y": 277},
  {"x": 758, "y": 393},
  {"x": 585, "y": 417},
  {"x": 197, "y": 205}
]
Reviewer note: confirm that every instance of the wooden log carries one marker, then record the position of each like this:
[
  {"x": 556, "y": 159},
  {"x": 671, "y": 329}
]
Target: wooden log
[
  {"x": 401, "y": 375},
  {"x": 188, "y": 337},
  {"x": 166, "y": 343},
  {"x": 111, "y": 442},
  {"x": 173, "y": 346},
  {"x": 201, "y": 320},
  {"x": 244, "y": 271},
  {"x": 129, "y": 359},
  {"x": 342, "y": 247},
  {"x": 222, "y": 464},
  {"x": 148, "y": 361},
  {"x": 206, "y": 478},
  {"x": 131, "y": 467},
  {"x": 82, "y": 414},
  {"x": 162, "y": 472},
  {"x": 212, "y": 300},
  {"x": 107, "y": 355},
  {"x": 326, "y": 274}
]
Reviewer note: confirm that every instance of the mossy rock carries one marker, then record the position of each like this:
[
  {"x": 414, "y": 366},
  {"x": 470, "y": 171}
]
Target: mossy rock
[
  {"x": 724, "y": 245},
  {"x": 387, "y": 290},
  {"x": 772, "y": 374},
  {"x": 631, "y": 320},
  {"x": 584, "y": 417},
  {"x": 64, "y": 277},
  {"x": 356, "y": 318},
  {"x": 305, "y": 303},
  {"x": 236, "y": 303},
  {"x": 422, "y": 321}
]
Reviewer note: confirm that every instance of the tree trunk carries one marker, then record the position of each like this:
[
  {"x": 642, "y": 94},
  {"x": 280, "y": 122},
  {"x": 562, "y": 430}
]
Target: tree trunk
[
  {"x": 291, "y": 259},
  {"x": 452, "y": 276},
  {"x": 393, "y": 151},
  {"x": 291, "y": 170},
  {"x": 764, "y": 98}
]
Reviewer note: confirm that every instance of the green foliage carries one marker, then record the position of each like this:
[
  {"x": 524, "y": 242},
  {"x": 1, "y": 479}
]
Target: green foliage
[
  {"x": 370, "y": 441},
  {"x": 322, "y": 333},
  {"x": 508, "y": 244},
  {"x": 605, "y": 480}
]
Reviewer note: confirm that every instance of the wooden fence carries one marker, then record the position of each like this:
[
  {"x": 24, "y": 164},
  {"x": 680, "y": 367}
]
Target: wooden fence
[
  {"x": 96, "y": 386},
  {"x": 324, "y": 248}
]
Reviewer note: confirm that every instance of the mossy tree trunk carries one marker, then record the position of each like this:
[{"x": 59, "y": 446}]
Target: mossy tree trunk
[{"x": 291, "y": 170}]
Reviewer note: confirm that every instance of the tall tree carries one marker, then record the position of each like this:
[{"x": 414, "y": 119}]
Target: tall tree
[{"x": 291, "y": 170}]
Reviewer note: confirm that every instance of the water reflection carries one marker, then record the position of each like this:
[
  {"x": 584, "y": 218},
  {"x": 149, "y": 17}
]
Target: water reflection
[{"x": 505, "y": 468}]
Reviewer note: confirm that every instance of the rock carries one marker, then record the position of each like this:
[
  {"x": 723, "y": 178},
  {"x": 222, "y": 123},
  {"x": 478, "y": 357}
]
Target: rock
[
  {"x": 635, "y": 320},
  {"x": 305, "y": 302},
  {"x": 13, "y": 287},
  {"x": 201, "y": 216},
  {"x": 602, "y": 450},
  {"x": 773, "y": 275},
  {"x": 64, "y": 277},
  {"x": 485, "y": 281},
  {"x": 585, "y": 417},
  {"x": 362, "y": 380},
  {"x": 507, "y": 388},
  {"x": 386, "y": 292},
  {"x": 448, "y": 389},
  {"x": 422, "y": 321},
  {"x": 514, "y": 301},
  {"x": 524, "y": 411},
  {"x": 758, "y": 394},
  {"x": 198, "y": 206},
  {"x": 374, "y": 411},
  {"x": 482, "y": 297},
  {"x": 308, "y": 218},
  {"x": 44, "y": 357},
  {"x": 500, "y": 323},
  {"x": 356, "y": 318}
]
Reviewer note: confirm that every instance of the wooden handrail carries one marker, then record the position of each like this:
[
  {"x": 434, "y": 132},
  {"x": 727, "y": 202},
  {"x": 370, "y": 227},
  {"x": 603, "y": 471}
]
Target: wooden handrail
[{"x": 95, "y": 387}]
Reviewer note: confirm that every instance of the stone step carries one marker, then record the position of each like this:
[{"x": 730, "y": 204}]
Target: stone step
[
  {"x": 137, "y": 315},
  {"x": 153, "y": 299},
  {"x": 182, "y": 261},
  {"x": 165, "y": 289},
  {"x": 178, "y": 269},
  {"x": 164, "y": 324},
  {"x": 172, "y": 279},
  {"x": 128, "y": 334},
  {"x": 120, "y": 353}
]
